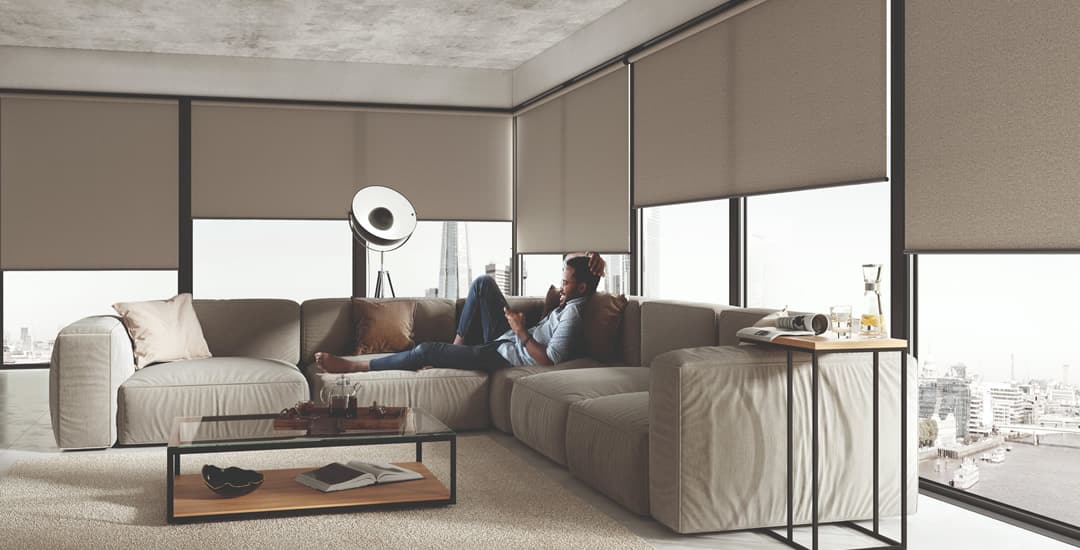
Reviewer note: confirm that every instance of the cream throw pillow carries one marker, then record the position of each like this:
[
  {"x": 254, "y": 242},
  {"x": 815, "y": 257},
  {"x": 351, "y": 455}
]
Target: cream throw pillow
[{"x": 163, "y": 330}]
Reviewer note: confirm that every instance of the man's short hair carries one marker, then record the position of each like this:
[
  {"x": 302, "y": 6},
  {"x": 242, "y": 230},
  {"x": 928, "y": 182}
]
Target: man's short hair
[{"x": 580, "y": 264}]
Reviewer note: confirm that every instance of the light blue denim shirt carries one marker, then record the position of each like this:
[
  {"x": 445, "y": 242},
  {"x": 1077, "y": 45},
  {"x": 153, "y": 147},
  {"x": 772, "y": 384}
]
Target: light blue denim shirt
[{"x": 561, "y": 331}]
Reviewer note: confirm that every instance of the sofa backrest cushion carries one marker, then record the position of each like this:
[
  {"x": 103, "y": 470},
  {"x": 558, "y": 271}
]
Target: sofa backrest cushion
[
  {"x": 667, "y": 325},
  {"x": 328, "y": 324},
  {"x": 264, "y": 328},
  {"x": 603, "y": 317}
]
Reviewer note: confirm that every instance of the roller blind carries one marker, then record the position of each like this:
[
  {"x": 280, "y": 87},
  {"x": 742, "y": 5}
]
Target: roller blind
[
  {"x": 269, "y": 161},
  {"x": 785, "y": 95},
  {"x": 991, "y": 125},
  {"x": 450, "y": 166},
  {"x": 573, "y": 170},
  {"x": 88, "y": 183}
]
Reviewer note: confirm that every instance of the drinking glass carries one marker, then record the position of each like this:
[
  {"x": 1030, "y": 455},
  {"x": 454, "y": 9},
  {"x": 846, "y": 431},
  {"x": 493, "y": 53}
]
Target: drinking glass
[{"x": 840, "y": 321}]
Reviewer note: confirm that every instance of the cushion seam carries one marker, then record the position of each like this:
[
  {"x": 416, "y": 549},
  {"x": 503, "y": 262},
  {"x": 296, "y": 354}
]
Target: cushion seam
[{"x": 619, "y": 427}]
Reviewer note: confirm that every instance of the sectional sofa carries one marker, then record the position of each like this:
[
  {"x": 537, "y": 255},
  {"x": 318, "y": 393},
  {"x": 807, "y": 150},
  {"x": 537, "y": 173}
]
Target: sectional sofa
[{"x": 683, "y": 425}]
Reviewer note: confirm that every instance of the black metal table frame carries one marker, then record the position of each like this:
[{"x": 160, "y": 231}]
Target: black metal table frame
[
  {"x": 173, "y": 470},
  {"x": 888, "y": 542}
]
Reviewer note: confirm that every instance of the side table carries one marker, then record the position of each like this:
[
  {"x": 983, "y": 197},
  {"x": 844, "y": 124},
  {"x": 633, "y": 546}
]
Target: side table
[{"x": 819, "y": 345}]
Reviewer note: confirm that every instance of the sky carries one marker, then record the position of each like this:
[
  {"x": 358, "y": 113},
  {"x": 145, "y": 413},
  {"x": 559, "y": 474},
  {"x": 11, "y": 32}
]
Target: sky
[{"x": 806, "y": 250}]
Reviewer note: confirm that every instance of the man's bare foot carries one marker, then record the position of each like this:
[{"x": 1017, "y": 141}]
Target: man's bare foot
[
  {"x": 329, "y": 362},
  {"x": 459, "y": 340}
]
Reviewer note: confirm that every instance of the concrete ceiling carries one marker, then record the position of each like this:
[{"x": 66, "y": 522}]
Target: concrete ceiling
[{"x": 489, "y": 34}]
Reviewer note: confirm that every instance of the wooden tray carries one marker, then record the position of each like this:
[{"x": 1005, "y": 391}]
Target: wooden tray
[{"x": 319, "y": 421}]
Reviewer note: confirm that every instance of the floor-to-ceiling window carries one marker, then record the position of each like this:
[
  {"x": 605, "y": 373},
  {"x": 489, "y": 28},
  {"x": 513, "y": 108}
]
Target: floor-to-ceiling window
[
  {"x": 293, "y": 259},
  {"x": 685, "y": 252},
  {"x": 541, "y": 271},
  {"x": 996, "y": 387},
  {"x": 443, "y": 257},
  {"x": 806, "y": 249},
  {"x": 37, "y": 304}
]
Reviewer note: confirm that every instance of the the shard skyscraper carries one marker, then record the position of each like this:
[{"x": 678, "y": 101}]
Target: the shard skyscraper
[{"x": 454, "y": 271}]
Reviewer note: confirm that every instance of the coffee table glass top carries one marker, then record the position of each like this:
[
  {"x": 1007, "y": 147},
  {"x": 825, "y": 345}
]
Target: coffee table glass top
[{"x": 208, "y": 432}]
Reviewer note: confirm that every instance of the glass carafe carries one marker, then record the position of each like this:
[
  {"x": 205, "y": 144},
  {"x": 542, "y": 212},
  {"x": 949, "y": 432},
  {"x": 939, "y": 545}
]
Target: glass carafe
[
  {"x": 872, "y": 322},
  {"x": 340, "y": 397}
]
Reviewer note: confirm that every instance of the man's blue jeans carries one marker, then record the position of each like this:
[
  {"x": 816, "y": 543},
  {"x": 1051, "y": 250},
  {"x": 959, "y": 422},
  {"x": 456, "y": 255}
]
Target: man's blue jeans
[{"x": 485, "y": 302}]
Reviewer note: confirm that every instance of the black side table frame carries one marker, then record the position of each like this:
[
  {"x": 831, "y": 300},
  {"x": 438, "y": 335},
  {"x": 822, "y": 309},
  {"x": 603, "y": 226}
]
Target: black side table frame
[{"x": 875, "y": 532}]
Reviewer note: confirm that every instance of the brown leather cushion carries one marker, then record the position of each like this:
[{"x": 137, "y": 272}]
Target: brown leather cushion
[
  {"x": 551, "y": 301},
  {"x": 603, "y": 326},
  {"x": 383, "y": 327}
]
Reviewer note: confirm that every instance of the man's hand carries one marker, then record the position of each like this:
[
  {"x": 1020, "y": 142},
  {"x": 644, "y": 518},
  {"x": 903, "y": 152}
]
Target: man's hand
[
  {"x": 515, "y": 319},
  {"x": 596, "y": 264}
]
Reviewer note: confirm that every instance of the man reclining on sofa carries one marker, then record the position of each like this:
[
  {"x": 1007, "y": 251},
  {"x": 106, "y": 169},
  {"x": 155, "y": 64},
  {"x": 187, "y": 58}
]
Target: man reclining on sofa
[{"x": 506, "y": 341}]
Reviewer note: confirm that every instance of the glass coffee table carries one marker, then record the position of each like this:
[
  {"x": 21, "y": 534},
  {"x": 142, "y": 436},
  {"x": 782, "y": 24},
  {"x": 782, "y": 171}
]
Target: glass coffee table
[{"x": 188, "y": 499}]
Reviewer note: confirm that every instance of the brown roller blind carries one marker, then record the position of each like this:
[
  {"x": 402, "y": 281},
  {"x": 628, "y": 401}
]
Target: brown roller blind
[
  {"x": 782, "y": 96},
  {"x": 450, "y": 166},
  {"x": 991, "y": 125},
  {"x": 573, "y": 172},
  {"x": 88, "y": 183},
  {"x": 270, "y": 161}
]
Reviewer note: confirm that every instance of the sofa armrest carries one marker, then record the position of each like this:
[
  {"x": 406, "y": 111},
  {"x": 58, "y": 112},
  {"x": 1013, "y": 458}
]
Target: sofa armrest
[
  {"x": 90, "y": 359},
  {"x": 718, "y": 433}
]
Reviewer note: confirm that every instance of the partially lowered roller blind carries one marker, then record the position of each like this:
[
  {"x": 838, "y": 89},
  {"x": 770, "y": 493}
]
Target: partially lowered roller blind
[
  {"x": 991, "y": 123},
  {"x": 450, "y": 166},
  {"x": 573, "y": 174},
  {"x": 783, "y": 96},
  {"x": 88, "y": 183},
  {"x": 300, "y": 162},
  {"x": 271, "y": 161}
]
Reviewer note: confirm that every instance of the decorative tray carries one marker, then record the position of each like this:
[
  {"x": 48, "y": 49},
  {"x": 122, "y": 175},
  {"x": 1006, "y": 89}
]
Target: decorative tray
[{"x": 318, "y": 421}]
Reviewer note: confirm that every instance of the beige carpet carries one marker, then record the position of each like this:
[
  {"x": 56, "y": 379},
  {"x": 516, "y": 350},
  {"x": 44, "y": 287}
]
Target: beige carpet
[{"x": 116, "y": 499}]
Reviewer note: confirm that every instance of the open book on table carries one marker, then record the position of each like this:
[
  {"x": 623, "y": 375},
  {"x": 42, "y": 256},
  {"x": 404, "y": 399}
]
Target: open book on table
[
  {"x": 809, "y": 324},
  {"x": 337, "y": 476}
]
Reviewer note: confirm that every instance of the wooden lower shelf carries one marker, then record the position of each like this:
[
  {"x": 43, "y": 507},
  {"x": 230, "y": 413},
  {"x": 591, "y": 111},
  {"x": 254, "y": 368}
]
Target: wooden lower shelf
[{"x": 281, "y": 492}]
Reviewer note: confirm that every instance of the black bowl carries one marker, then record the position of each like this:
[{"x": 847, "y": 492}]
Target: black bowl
[{"x": 232, "y": 481}]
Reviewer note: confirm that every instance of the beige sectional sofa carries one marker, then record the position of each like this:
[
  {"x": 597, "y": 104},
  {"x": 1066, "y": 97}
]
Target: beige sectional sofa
[{"x": 695, "y": 440}]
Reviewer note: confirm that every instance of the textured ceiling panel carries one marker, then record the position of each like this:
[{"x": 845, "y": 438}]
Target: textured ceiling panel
[{"x": 492, "y": 34}]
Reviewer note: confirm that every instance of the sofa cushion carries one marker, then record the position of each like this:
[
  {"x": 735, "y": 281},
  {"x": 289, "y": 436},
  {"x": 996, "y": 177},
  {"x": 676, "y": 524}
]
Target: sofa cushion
[
  {"x": 326, "y": 324},
  {"x": 459, "y": 398},
  {"x": 264, "y": 328},
  {"x": 539, "y": 404},
  {"x": 383, "y": 326},
  {"x": 603, "y": 318},
  {"x": 607, "y": 447},
  {"x": 163, "y": 330},
  {"x": 149, "y": 401},
  {"x": 502, "y": 383}
]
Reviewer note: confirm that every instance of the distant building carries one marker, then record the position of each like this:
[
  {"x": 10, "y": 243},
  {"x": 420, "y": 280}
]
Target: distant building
[
  {"x": 941, "y": 398},
  {"x": 24, "y": 339},
  {"x": 501, "y": 274},
  {"x": 454, "y": 271},
  {"x": 1008, "y": 405},
  {"x": 1063, "y": 396},
  {"x": 431, "y": 293}
]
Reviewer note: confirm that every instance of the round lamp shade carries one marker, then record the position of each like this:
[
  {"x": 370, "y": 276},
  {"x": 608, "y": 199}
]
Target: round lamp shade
[{"x": 381, "y": 218}]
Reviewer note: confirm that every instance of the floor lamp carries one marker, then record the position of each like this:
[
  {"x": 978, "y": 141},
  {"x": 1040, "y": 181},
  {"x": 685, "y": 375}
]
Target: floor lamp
[{"x": 382, "y": 220}]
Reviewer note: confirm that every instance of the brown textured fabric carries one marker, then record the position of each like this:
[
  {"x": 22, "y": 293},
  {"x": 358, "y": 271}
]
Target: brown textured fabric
[
  {"x": 383, "y": 327},
  {"x": 603, "y": 323},
  {"x": 551, "y": 300}
]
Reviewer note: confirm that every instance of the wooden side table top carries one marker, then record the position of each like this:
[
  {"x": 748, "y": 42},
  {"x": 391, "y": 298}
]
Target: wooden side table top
[{"x": 828, "y": 343}]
